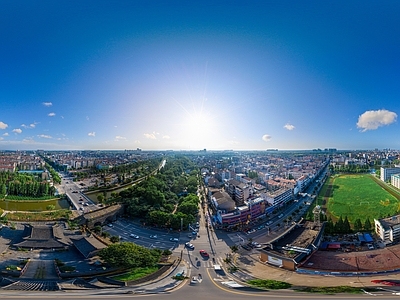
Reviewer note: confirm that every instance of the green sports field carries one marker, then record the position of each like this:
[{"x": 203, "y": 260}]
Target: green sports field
[{"x": 358, "y": 196}]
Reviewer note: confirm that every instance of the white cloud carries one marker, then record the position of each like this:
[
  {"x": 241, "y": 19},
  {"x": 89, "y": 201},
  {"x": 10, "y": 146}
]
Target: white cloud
[
  {"x": 266, "y": 137},
  {"x": 120, "y": 138},
  {"x": 17, "y": 130},
  {"x": 3, "y": 125},
  {"x": 166, "y": 137},
  {"x": 51, "y": 114},
  {"x": 1, "y": 138},
  {"x": 151, "y": 136},
  {"x": 28, "y": 141},
  {"x": 87, "y": 118},
  {"x": 92, "y": 133},
  {"x": 5, "y": 134},
  {"x": 47, "y": 103},
  {"x": 30, "y": 126},
  {"x": 44, "y": 136},
  {"x": 372, "y": 119},
  {"x": 289, "y": 126}
]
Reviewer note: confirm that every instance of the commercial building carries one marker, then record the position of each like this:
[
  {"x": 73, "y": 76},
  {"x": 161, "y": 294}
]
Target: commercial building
[{"x": 386, "y": 173}]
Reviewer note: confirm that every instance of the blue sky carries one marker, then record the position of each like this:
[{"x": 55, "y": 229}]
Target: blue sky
[{"x": 199, "y": 74}]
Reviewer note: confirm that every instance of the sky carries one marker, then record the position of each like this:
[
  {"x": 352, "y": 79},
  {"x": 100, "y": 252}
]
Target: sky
[{"x": 191, "y": 75}]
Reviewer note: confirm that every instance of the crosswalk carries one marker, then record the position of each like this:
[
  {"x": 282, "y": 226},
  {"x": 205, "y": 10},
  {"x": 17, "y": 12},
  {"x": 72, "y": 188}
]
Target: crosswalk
[
  {"x": 237, "y": 238},
  {"x": 209, "y": 263},
  {"x": 218, "y": 261}
]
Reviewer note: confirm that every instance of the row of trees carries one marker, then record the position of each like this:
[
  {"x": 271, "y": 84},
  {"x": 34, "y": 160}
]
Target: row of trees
[
  {"x": 342, "y": 226},
  {"x": 23, "y": 184}
]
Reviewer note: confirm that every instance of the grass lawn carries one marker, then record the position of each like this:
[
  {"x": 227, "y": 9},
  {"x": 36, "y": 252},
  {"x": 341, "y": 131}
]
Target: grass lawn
[
  {"x": 136, "y": 274},
  {"x": 358, "y": 196}
]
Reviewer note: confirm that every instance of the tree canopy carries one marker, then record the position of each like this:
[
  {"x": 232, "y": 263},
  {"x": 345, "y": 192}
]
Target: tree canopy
[{"x": 130, "y": 255}]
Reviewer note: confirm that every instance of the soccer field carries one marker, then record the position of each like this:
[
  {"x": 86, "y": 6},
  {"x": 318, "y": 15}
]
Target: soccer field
[{"x": 358, "y": 196}]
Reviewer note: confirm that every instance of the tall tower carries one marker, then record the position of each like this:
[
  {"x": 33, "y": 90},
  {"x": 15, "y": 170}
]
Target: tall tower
[{"x": 317, "y": 212}]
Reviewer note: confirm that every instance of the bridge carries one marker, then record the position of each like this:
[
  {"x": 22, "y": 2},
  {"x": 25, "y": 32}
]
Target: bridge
[{"x": 101, "y": 216}]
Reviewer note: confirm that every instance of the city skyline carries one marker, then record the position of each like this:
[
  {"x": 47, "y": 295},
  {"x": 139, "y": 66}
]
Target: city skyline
[{"x": 180, "y": 76}]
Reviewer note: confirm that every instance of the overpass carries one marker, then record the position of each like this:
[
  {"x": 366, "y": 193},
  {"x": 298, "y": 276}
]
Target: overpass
[{"x": 101, "y": 216}]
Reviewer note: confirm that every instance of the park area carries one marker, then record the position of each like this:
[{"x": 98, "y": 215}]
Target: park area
[{"x": 358, "y": 197}]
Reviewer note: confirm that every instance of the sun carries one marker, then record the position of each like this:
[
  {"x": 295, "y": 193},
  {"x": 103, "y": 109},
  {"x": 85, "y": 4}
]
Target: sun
[{"x": 197, "y": 128}]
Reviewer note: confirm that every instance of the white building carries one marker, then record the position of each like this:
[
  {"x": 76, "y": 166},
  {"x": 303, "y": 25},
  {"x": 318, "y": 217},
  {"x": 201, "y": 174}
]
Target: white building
[
  {"x": 386, "y": 173},
  {"x": 388, "y": 229},
  {"x": 395, "y": 180}
]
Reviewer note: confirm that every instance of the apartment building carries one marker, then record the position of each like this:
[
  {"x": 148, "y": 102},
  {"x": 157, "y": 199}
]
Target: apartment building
[
  {"x": 278, "y": 197},
  {"x": 388, "y": 229},
  {"x": 395, "y": 180},
  {"x": 238, "y": 191}
]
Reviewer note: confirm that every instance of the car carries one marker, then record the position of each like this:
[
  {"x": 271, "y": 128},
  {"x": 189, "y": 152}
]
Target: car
[
  {"x": 110, "y": 225},
  {"x": 204, "y": 253},
  {"x": 370, "y": 246},
  {"x": 256, "y": 245},
  {"x": 189, "y": 246},
  {"x": 269, "y": 223},
  {"x": 280, "y": 216},
  {"x": 246, "y": 247},
  {"x": 153, "y": 236},
  {"x": 134, "y": 236},
  {"x": 174, "y": 239}
]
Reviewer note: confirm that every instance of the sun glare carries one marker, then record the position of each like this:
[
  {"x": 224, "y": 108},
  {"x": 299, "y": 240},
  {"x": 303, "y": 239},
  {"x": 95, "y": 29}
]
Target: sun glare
[{"x": 197, "y": 127}]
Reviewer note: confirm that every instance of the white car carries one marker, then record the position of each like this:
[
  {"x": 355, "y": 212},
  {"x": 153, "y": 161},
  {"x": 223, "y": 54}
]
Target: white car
[
  {"x": 134, "y": 236},
  {"x": 189, "y": 246},
  {"x": 174, "y": 239},
  {"x": 154, "y": 236}
]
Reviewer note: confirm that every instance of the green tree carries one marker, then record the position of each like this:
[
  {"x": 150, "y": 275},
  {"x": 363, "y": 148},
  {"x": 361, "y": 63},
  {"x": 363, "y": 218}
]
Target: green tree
[
  {"x": 346, "y": 225},
  {"x": 329, "y": 226},
  {"x": 188, "y": 208},
  {"x": 357, "y": 225},
  {"x": 114, "y": 239},
  {"x": 100, "y": 198},
  {"x": 367, "y": 225},
  {"x": 129, "y": 255},
  {"x": 339, "y": 225}
]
